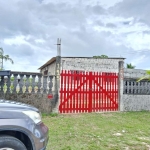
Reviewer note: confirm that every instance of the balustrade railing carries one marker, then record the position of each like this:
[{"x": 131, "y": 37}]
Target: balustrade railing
[
  {"x": 25, "y": 83},
  {"x": 131, "y": 86}
]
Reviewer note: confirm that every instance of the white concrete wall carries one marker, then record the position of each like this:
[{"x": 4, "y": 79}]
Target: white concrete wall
[
  {"x": 51, "y": 69},
  {"x": 90, "y": 64},
  {"x": 136, "y": 102},
  {"x": 134, "y": 73}
]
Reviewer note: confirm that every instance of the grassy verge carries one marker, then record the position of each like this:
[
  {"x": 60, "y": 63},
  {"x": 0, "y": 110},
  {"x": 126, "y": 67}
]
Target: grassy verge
[{"x": 99, "y": 131}]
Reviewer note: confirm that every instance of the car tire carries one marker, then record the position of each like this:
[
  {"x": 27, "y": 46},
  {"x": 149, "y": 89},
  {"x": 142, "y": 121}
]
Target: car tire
[{"x": 12, "y": 143}]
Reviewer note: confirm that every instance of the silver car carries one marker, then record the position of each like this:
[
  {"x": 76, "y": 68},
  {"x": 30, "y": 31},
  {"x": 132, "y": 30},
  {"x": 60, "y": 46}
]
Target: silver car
[{"x": 21, "y": 127}]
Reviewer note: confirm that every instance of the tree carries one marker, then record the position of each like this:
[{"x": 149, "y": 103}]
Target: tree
[
  {"x": 101, "y": 56},
  {"x": 147, "y": 76},
  {"x": 4, "y": 57},
  {"x": 130, "y": 66}
]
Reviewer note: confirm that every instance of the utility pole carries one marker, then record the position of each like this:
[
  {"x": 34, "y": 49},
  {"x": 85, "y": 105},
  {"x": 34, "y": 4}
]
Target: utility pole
[
  {"x": 57, "y": 73},
  {"x": 58, "y": 47}
]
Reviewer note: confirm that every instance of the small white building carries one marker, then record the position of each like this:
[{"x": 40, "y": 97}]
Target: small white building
[
  {"x": 86, "y": 84},
  {"x": 82, "y": 64}
]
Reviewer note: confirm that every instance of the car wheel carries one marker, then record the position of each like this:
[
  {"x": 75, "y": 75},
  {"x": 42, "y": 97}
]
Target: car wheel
[{"x": 11, "y": 143}]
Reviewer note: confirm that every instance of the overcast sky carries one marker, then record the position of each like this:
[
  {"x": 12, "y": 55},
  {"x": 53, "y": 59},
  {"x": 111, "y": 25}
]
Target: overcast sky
[{"x": 118, "y": 28}]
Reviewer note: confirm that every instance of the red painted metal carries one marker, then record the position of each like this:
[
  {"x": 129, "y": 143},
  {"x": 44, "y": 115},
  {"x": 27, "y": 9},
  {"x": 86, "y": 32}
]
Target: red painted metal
[
  {"x": 50, "y": 96},
  {"x": 88, "y": 92}
]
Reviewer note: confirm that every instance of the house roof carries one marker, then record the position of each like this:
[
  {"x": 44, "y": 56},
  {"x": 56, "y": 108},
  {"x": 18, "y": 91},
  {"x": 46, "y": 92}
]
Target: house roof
[
  {"x": 48, "y": 62},
  {"x": 95, "y": 58},
  {"x": 54, "y": 59}
]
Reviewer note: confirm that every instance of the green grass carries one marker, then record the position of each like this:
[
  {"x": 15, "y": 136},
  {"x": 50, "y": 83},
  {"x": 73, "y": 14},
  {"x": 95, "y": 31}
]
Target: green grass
[{"x": 99, "y": 131}]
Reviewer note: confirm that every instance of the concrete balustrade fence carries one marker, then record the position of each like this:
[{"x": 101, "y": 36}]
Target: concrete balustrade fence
[{"x": 30, "y": 88}]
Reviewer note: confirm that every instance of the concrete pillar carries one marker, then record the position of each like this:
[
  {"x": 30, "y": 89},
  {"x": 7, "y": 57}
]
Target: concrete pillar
[
  {"x": 121, "y": 77},
  {"x": 57, "y": 85}
]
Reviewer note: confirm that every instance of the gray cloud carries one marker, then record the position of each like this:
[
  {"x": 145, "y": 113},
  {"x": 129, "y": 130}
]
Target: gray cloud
[
  {"x": 138, "y": 9},
  {"x": 42, "y": 23},
  {"x": 111, "y": 25},
  {"x": 126, "y": 22},
  {"x": 98, "y": 9}
]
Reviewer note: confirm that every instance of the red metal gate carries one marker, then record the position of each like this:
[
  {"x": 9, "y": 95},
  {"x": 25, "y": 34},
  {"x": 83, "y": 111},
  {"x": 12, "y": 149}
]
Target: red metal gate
[{"x": 88, "y": 92}]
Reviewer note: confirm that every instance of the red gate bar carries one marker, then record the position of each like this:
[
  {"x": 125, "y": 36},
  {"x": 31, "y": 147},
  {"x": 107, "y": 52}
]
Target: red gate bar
[{"x": 88, "y": 92}]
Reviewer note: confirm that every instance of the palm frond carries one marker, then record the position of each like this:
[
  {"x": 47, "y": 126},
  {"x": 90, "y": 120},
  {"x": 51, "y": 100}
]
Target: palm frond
[
  {"x": 142, "y": 78},
  {"x": 148, "y": 72},
  {"x": 1, "y": 51},
  {"x": 11, "y": 60},
  {"x": 130, "y": 66},
  {"x": 147, "y": 76},
  {"x": 6, "y": 57}
]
